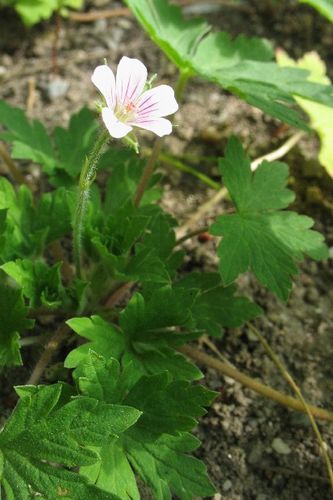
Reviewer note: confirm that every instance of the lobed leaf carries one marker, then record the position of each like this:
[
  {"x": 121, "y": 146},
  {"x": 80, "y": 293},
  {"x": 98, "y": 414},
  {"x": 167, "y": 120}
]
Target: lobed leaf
[
  {"x": 156, "y": 448},
  {"x": 46, "y": 434},
  {"x": 13, "y": 322},
  {"x": 259, "y": 236},
  {"x": 242, "y": 66}
]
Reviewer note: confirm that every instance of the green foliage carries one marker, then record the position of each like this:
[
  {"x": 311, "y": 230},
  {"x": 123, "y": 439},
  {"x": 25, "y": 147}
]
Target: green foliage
[
  {"x": 157, "y": 447},
  {"x": 325, "y": 7},
  {"x": 13, "y": 321},
  {"x": 62, "y": 153},
  {"x": 146, "y": 336},
  {"x": 29, "y": 139},
  {"x": 34, "y": 11},
  {"x": 48, "y": 433},
  {"x": 260, "y": 236},
  {"x": 40, "y": 283},
  {"x": 215, "y": 306},
  {"x": 25, "y": 229},
  {"x": 241, "y": 66}
]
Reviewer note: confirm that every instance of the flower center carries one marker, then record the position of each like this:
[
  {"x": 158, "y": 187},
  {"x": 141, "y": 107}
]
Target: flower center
[{"x": 125, "y": 112}]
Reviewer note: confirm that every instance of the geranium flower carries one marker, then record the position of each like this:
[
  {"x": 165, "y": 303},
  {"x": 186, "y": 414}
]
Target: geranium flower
[{"x": 128, "y": 104}]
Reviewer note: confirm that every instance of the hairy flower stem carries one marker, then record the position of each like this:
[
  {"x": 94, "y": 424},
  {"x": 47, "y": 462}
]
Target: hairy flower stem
[{"x": 87, "y": 177}]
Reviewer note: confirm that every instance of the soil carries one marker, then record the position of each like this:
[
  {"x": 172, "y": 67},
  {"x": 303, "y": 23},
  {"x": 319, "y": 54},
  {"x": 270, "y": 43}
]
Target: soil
[{"x": 253, "y": 448}]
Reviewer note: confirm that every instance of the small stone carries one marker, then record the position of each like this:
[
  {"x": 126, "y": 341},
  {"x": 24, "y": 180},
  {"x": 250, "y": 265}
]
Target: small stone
[
  {"x": 56, "y": 88},
  {"x": 227, "y": 485},
  {"x": 280, "y": 446},
  {"x": 255, "y": 455}
]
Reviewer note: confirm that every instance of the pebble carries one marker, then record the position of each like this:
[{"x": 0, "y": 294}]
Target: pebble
[
  {"x": 255, "y": 455},
  {"x": 227, "y": 485},
  {"x": 56, "y": 88},
  {"x": 280, "y": 446}
]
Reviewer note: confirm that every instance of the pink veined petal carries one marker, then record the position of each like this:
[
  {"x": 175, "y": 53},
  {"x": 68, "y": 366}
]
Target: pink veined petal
[
  {"x": 103, "y": 78},
  {"x": 130, "y": 80},
  {"x": 157, "y": 102},
  {"x": 160, "y": 126},
  {"x": 116, "y": 128}
]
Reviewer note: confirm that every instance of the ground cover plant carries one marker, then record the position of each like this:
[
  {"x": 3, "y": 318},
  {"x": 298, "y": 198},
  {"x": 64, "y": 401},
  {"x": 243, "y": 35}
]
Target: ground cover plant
[{"x": 91, "y": 246}]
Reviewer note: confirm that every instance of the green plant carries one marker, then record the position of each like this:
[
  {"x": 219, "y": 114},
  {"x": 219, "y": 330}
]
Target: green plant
[{"x": 131, "y": 397}]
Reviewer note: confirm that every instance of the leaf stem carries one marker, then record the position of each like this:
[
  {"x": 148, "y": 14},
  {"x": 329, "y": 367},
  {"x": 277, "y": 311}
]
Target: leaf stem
[
  {"x": 51, "y": 347},
  {"x": 190, "y": 170},
  {"x": 87, "y": 177},
  {"x": 307, "y": 408},
  {"x": 254, "y": 385}
]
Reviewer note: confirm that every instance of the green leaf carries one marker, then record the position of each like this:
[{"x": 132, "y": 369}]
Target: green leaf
[
  {"x": 18, "y": 237},
  {"x": 40, "y": 283},
  {"x": 53, "y": 213},
  {"x": 166, "y": 307},
  {"x": 325, "y": 7},
  {"x": 29, "y": 138},
  {"x": 34, "y": 11},
  {"x": 165, "y": 465},
  {"x": 148, "y": 334},
  {"x": 241, "y": 66},
  {"x": 27, "y": 229},
  {"x": 321, "y": 116},
  {"x": 147, "y": 450},
  {"x": 259, "y": 236},
  {"x": 74, "y": 143},
  {"x": 216, "y": 306},
  {"x": 44, "y": 429},
  {"x": 13, "y": 321},
  {"x": 103, "y": 339}
]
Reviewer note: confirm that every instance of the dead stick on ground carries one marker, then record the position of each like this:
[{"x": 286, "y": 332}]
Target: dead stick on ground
[
  {"x": 286, "y": 375},
  {"x": 50, "y": 349},
  {"x": 88, "y": 17},
  {"x": 264, "y": 390}
]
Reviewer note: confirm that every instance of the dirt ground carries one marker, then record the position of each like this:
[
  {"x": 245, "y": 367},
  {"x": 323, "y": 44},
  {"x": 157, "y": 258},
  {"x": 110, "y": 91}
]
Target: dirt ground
[{"x": 254, "y": 449}]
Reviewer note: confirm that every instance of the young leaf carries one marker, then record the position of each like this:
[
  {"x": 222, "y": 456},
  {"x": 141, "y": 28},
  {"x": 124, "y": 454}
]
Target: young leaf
[
  {"x": 40, "y": 283},
  {"x": 160, "y": 459},
  {"x": 241, "y": 66},
  {"x": 13, "y": 321},
  {"x": 44, "y": 437},
  {"x": 260, "y": 236}
]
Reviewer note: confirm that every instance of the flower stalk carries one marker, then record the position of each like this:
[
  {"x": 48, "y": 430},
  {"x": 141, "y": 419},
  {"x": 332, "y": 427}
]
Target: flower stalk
[{"x": 87, "y": 177}]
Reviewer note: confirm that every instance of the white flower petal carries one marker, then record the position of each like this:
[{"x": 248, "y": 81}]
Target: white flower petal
[
  {"x": 157, "y": 102},
  {"x": 116, "y": 128},
  {"x": 130, "y": 80},
  {"x": 160, "y": 126},
  {"x": 103, "y": 78}
]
